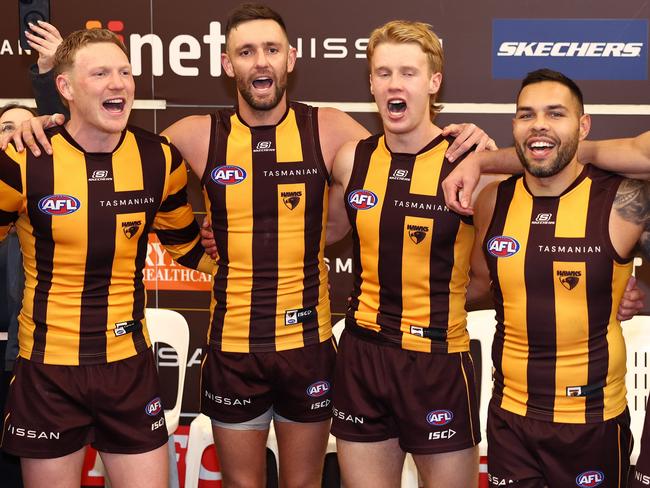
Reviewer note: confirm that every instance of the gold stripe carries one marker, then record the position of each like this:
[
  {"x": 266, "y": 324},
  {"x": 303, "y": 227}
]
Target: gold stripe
[
  {"x": 469, "y": 402},
  {"x": 121, "y": 288},
  {"x": 571, "y": 220},
  {"x": 287, "y": 140},
  {"x": 70, "y": 233},
  {"x": 510, "y": 271},
  {"x": 614, "y": 392},
  {"x": 291, "y": 258},
  {"x": 572, "y": 350},
  {"x": 416, "y": 293},
  {"x": 426, "y": 170},
  {"x": 367, "y": 222},
  {"x": 239, "y": 199},
  {"x": 457, "y": 336},
  {"x": 324, "y": 309},
  {"x": 124, "y": 178}
]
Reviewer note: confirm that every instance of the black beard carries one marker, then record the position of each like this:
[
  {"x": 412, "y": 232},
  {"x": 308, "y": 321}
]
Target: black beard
[
  {"x": 245, "y": 91},
  {"x": 566, "y": 152}
]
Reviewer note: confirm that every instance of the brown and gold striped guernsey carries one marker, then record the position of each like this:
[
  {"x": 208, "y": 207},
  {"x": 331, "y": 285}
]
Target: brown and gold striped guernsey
[
  {"x": 82, "y": 220},
  {"x": 557, "y": 282},
  {"x": 411, "y": 254},
  {"x": 266, "y": 190}
]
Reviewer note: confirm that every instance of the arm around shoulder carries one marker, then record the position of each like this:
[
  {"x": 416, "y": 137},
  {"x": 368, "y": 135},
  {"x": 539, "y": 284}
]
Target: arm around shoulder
[
  {"x": 629, "y": 157},
  {"x": 335, "y": 128},
  {"x": 191, "y": 135}
]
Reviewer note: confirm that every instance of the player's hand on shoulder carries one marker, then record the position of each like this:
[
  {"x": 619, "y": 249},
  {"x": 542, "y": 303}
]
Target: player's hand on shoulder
[
  {"x": 465, "y": 137},
  {"x": 31, "y": 133}
]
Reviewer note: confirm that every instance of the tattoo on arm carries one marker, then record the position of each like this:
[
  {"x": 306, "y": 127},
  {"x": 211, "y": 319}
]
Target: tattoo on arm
[{"x": 632, "y": 203}]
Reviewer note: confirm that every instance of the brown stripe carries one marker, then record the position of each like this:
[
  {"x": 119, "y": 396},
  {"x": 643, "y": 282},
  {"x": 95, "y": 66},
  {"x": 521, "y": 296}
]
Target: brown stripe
[
  {"x": 542, "y": 340},
  {"x": 40, "y": 174},
  {"x": 10, "y": 173},
  {"x": 219, "y": 218},
  {"x": 170, "y": 237},
  {"x": 153, "y": 169},
  {"x": 504, "y": 196},
  {"x": 265, "y": 249},
  {"x": 362, "y": 155},
  {"x": 307, "y": 121},
  {"x": 172, "y": 202},
  {"x": 99, "y": 265},
  {"x": 389, "y": 264},
  {"x": 599, "y": 306}
]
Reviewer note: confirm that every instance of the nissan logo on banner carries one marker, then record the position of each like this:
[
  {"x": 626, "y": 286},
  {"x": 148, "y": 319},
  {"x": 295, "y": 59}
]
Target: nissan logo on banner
[{"x": 583, "y": 49}]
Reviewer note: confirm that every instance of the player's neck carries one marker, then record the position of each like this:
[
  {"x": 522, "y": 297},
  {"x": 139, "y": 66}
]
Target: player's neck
[
  {"x": 254, "y": 118},
  {"x": 553, "y": 186},
  {"x": 92, "y": 139},
  {"x": 414, "y": 140}
]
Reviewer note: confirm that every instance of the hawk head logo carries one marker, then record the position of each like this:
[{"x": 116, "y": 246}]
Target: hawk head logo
[
  {"x": 569, "y": 282},
  {"x": 291, "y": 199},
  {"x": 417, "y": 236},
  {"x": 131, "y": 228}
]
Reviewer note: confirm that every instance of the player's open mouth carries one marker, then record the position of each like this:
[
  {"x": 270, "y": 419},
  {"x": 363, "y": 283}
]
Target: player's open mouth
[
  {"x": 540, "y": 147},
  {"x": 263, "y": 83},
  {"x": 396, "y": 106},
  {"x": 114, "y": 105}
]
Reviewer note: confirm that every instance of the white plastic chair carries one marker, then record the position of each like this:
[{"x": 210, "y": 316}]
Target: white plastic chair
[
  {"x": 481, "y": 325},
  {"x": 636, "y": 332},
  {"x": 165, "y": 327}
]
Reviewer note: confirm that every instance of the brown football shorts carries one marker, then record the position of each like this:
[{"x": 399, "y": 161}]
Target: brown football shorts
[
  {"x": 296, "y": 383},
  {"x": 426, "y": 400},
  {"x": 55, "y": 410},
  {"x": 641, "y": 475},
  {"x": 531, "y": 453}
]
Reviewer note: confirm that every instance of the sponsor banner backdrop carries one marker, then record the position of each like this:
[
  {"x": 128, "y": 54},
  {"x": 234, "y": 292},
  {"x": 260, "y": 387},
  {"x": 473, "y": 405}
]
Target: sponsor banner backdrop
[{"x": 582, "y": 49}]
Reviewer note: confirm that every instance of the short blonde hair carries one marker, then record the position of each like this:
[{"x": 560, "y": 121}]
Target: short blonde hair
[
  {"x": 65, "y": 53},
  {"x": 406, "y": 31}
]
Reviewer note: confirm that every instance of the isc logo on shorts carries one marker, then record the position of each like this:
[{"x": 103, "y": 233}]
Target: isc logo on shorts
[
  {"x": 502, "y": 246},
  {"x": 318, "y": 389},
  {"x": 228, "y": 175},
  {"x": 589, "y": 479},
  {"x": 362, "y": 199},
  {"x": 440, "y": 417},
  {"x": 154, "y": 407},
  {"x": 58, "y": 204}
]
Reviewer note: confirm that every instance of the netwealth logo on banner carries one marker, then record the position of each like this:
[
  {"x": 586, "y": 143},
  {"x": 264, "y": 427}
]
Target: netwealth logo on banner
[
  {"x": 591, "y": 49},
  {"x": 163, "y": 273}
]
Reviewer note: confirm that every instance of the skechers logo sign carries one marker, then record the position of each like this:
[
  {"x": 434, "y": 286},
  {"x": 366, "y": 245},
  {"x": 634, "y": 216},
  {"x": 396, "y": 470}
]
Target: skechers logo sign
[
  {"x": 502, "y": 246},
  {"x": 439, "y": 417},
  {"x": 100, "y": 175},
  {"x": 264, "y": 146},
  {"x": 154, "y": 407},
  {"x": 59, "y": 204},
  {"x": 362, "y": 199},
  {"x": 584, "y": 49},
  {"x": 589, "y": 479},
  {"x": 318, "y": 389},
  {"x": 228, "y": 175}
]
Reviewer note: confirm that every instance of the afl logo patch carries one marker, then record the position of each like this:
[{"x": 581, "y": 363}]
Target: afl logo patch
[
  {"x": 362, "y": 199},
  {"x": 318, "y": 389},
  {"x": 502, "y": 246},
  {"x": 440, "y": 417},
  {"x": 590, "y": 479},
  {"x": 59, "y": 204},
  {"x": 228, "y": 175},
  {"x": 154, "y": 407}
]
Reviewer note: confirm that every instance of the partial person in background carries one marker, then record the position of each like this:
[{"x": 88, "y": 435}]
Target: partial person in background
[{"x": 44, "y": 38}]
